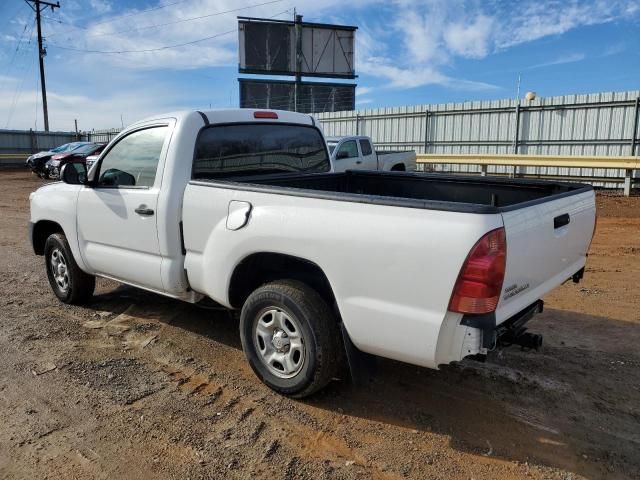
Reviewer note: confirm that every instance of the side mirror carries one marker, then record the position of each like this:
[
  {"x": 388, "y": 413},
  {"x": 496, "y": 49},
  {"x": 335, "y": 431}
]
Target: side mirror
[
  {"x": 115, "y": 177},
  {"x": 342, "y": 155},
  {"x": 74, "y": 173}
]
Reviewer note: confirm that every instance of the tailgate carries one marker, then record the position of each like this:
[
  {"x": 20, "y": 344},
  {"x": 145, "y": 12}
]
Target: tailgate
[{"x": 546, "y": 244}]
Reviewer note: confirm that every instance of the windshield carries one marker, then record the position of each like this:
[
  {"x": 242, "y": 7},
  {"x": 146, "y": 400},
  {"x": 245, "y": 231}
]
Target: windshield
[
  {"x": 332, "y": 146},
  {"x": 73, "y": 147},
  {"x": 258, "y": 148},
  {"x": 61, "y": 148},
  {"x": 92, "y": 147}
]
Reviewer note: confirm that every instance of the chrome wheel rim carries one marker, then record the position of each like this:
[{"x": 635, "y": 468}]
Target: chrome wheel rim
[
  {"x": 279, "y": 342},
  {"x": 59, "y": 270}
]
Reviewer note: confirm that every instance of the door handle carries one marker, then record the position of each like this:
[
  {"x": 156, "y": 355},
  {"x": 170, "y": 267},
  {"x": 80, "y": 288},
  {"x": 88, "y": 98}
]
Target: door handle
[
  {"x": 143, "y": 210},
  {"x": 561, "y": 221},
  {"x": 358, "y": 162}
]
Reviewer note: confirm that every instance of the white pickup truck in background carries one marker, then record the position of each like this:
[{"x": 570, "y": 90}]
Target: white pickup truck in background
[
  {"x": 241, "y": 206},
  {"x": 357, "y": 153}
]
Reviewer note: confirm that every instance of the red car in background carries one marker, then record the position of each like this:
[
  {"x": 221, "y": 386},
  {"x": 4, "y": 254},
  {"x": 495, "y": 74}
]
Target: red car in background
[{"x": 53, "y": 166}]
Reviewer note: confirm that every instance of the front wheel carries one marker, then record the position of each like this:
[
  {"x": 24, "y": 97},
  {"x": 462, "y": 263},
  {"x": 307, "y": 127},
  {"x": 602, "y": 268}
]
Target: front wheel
[
  {"x": 290, "y": 338},
  {"x": 68, "y": 282}
]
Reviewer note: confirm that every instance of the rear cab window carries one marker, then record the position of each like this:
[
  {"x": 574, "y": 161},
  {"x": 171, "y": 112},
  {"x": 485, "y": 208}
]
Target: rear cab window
[
  {"x": 235, "y": 150},
  {"x": 365, "y": 147}
]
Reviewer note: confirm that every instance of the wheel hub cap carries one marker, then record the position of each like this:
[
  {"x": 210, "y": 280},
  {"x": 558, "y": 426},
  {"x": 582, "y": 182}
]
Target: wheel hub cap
[
  {"x": 279, "y": 342},
  {"x": 58, "y": 265}
]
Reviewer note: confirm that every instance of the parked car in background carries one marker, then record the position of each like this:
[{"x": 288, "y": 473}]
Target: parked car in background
[
  {"x": 37, "y": 161},
  {"x": 79, "y": 154},
  {"x": 356, "y": 153},
  {"x": 91, "y": 159},
  {"x": 241, "y": 206}
]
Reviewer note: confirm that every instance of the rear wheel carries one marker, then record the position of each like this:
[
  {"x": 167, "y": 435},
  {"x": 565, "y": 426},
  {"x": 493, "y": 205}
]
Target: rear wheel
[
  {"x": 68, "y": 282},
  {"x": 290, "y": 338}
]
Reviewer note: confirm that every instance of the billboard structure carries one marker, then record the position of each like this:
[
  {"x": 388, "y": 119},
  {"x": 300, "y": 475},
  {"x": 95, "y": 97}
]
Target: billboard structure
[
  {"x": 296, "y": 48},
  {"x": 270, "y": 47},
  {"x": 312, "y": 97}
]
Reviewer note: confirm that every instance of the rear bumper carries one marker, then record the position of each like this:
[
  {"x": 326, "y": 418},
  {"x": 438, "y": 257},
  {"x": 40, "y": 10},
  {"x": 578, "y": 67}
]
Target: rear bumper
[{"x": 491, "y": 334}]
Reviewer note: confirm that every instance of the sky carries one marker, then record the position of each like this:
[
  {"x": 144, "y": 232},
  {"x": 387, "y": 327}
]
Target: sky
[{"x": 112, "y": 62}]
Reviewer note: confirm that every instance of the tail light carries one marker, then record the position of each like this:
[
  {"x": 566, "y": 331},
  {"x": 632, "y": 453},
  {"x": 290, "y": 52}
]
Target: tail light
[
  {"x": 263, "y": 114},
  {"x": 480, "y": 280}
]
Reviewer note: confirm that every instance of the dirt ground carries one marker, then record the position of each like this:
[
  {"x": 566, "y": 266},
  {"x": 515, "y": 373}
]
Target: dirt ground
[{"x": 139, "y": 386}]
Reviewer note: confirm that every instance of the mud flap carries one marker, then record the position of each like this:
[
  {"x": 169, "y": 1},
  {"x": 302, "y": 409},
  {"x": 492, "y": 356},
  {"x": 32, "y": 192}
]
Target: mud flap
[{"x": 362, "y": 366}]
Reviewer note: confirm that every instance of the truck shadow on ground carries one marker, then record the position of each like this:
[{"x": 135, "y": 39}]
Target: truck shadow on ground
[{"x": 573, "y": 405}]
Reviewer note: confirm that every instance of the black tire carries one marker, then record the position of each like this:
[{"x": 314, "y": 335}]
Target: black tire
[
  {"x": 319, "y": 334},
  {"x": 79, "y": 285}
]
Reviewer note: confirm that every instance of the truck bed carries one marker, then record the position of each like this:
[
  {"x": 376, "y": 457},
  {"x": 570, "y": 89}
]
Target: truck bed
[{"x": 470, "y": 194}]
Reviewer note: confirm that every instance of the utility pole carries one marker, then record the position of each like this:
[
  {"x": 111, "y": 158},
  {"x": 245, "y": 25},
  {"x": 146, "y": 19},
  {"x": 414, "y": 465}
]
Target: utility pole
[
  {"x": 38, "y": 6},
  {"x": 297, "y": 88}
]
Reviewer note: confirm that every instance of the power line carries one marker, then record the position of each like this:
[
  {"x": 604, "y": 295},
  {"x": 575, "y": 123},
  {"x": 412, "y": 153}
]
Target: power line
[
  {"x": 18, "y": 92},
  {"x": 159, "y": 7},
  {"x": 183, "y": 20},
  {"x": 112, "y": 19},
  {"x": 157, "y": 49},
  {"x": 15, "y": 52}
]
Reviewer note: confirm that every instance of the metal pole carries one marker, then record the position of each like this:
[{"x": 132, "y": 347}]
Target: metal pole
[
  {"x": 32, "y": 141},
  {"x": 628, "y": 174},
  {"x": 298, "y": 31},
  {"x": 517, "y": 132},
  {"x": 357, "y": 124},
  {"x": 634, "y": 133},
  {"x": 41, "y": 54},
  {"x": 427, "y": 119},
  {"x": 516, "y": 135},
  {"x": 76, "y": 123}
]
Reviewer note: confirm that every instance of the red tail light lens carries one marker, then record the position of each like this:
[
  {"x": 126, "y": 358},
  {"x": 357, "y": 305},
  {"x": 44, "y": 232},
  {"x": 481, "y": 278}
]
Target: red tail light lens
[
  {"x": 480, "y": 280},
  {"x": 273, "y": 115}
]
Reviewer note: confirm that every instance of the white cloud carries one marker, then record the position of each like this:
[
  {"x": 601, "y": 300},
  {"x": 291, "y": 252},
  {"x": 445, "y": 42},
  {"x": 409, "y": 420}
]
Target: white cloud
[
  {"x": 100, "y": 111},
  {"x": 570, "y": 58},
  {"x": 364, "y": 90},
  {"x": 470, "y": 40},
  {"x": 100, "y": 6},
  {"x": 434, "y": 33},
  {"x": 531, "y": 21}
]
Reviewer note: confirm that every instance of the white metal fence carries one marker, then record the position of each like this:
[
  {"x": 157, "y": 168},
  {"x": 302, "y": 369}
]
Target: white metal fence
[{"x": 601, "y": 124}]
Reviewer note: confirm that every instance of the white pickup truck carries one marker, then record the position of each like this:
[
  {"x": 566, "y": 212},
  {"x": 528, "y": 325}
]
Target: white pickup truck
[
  {"x": 357, "y": 153},
  {"x": 241, "y": 206}
]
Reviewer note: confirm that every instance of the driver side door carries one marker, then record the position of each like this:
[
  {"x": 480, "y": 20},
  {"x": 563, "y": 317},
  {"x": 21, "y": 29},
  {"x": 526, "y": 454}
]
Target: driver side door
[{"x": 117, "y": 229}]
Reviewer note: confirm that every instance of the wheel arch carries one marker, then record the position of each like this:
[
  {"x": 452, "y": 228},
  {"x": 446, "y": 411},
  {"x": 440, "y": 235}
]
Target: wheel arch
[
  {"x": 41, "y": 231},
  {"x": 263, "y": 267}
]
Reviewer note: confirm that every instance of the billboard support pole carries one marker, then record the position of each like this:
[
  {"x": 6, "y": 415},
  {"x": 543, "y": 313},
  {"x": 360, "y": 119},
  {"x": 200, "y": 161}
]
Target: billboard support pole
[{"x": 298, "y": 30}]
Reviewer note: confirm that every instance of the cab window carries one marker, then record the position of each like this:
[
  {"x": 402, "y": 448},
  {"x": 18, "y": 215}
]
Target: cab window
[
  {"x": 348, "y": 149},
  {"x": 365, "y": 146}
]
